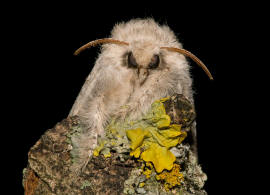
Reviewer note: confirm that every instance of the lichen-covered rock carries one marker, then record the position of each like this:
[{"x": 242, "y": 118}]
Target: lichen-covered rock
[
  {"x": 49, "y": 162},
  {"x": 112, "y": 170}
]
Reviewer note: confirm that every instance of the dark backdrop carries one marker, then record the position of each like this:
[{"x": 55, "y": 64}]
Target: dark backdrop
[{"x": 46, "y": 77}]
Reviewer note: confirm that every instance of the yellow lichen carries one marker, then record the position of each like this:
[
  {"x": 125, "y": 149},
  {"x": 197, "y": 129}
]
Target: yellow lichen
[
  {"x": 101, "y": 149},
  {"x": 171, "y": 178},
  {"x": 147, "y": 169},
  {"x": 107, "y": 155},
  {"x": 98, "y": 148},
  {"x": 141, "y": 184},
  {"x": 152, "y": 139}
]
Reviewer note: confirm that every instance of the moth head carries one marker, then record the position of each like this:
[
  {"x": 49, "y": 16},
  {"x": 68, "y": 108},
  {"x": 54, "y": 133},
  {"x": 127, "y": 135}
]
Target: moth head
[
  {"x": 142, "y": 70},
  {"x": 144, "y": 59}
]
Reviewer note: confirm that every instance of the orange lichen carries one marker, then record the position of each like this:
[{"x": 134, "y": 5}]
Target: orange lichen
[{"x": 171, "y": 178}]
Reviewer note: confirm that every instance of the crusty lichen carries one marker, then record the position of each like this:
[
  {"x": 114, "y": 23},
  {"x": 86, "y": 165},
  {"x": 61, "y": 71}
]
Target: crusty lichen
[
  {"x": 147, "y": 169},
  {"x": 85, "y": 184},
  {"x": 102, "y": 149},
  {"x": 171, "y": 178},
  {"x": 133, "y": 181},
  {"x": 194, "y": 176}
]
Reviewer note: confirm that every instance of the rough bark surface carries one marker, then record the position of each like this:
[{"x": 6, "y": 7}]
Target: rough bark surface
[{"x": 49, "y": 161}]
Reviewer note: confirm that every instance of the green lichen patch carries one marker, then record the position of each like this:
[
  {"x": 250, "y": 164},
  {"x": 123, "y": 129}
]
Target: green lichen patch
[{"x": 85, "y": 184}]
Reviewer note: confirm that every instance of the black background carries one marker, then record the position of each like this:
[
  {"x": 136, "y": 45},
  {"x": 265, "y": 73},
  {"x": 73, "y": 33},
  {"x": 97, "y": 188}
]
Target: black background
[{"x": 45, "y": 77}]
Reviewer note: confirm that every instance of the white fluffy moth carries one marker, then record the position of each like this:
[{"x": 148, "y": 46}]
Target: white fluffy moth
[{"x": 141, "y": 62}]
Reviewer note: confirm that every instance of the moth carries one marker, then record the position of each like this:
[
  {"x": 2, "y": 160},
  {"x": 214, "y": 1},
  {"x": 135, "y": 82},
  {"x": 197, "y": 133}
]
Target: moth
[{"x": 141, "y": 62}]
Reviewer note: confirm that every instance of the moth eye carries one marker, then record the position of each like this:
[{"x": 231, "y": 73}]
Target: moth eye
[
  {"x": 132, "y": 61},
  {"x": 154, "y": 62}
]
